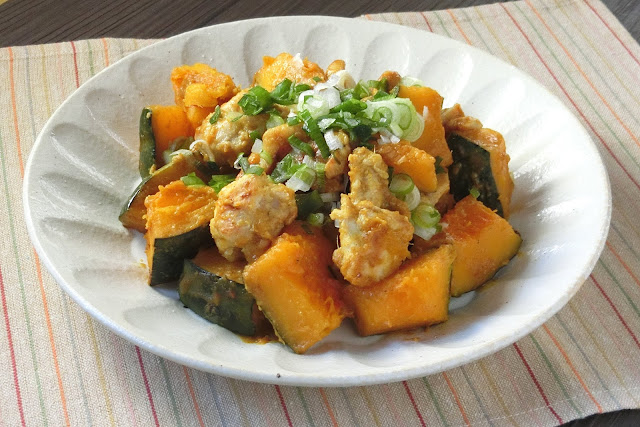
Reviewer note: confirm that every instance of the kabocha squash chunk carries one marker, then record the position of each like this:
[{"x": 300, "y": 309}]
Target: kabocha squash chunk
[
  {"x": 483, "y": 240},
  {"x": 432, "y": 139},
  {"x": 286, "y": 66},
  {"x": 168, "y": 122},
  {"x": 480, "y": 161},
  {"x": 177, "y": 227},
  {"x": 293, "y": 286},
  {"x": 214, "y": 289},
  {"x": 132, "y": 214},
  {"x": 199, "y": 88},
  {"x": 417, "y": 294},
  {"x": 405, "y": 158}
]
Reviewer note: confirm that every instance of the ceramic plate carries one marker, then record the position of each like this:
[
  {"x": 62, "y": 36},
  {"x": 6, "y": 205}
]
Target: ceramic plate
[{"x": 84, "y": 166}]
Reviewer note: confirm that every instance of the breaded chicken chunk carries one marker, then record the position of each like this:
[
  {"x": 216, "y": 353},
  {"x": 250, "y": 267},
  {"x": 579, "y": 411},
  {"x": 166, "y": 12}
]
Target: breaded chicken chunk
[
  {"x": 373, "y": 241},
  {"x": 375, "y": 230},
  {"x": 230, "y": 136},
  {"x": 250, "y": 213},
  {"x": 369, "y": 176}
]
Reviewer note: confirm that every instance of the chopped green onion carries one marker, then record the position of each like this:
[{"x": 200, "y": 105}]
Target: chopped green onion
[
  {"x": 298, "y": 144},
  {"x": 308, "y": 203},
  {"x": 293, "y": 120},
  {"x": 266, "y": 157},
  {"x": 302, "y": 179},
  {"x": 316, "y": 219},
  {"x": 398, "y": 115},
  {"x": 412, "y": 199},
  {"x": 320, "y": 177},
  {"x": 474, "y": 192},
  {"x": 218, "y": 182},
  {"x": 274, "y": 120},
  {"x": 192, "y": 180},
  {"x": 285, "y": 168},
  {"x": 255, "y": 101},
  {"x": 439, "y": 168},
  {"x": 425, "y": 219},
  {"x": 287, "y": 92},
  {"x": 255, "y": 134},
  {"x": 350, "y": 105},
  {"x": 255, "y": 170},
  {"x": 401, "y": 184},
  {"x": 425, "y": 216},
  {"x": 411, "y": 81},
  {"x": 215, "y": 116},
  {"x": 243, "y": 163},
  {"x": 312, "y": 128},
  {"x": 317, "y": 79}
]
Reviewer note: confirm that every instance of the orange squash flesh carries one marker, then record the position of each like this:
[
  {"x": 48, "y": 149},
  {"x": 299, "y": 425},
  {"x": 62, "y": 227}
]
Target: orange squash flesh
[
  {"x": 178, "y": 218},
  {"x": 483, "y": 241},
  {"x": 286, "y": 66},
  {"x": 432, "y": 139},
  {"x": 198, "y": 88},
  {"x": 168, "y": 123},
  {"x": 293, "y": 287},
  {"x": 415, "y": 295},
  {"x": 407, "y": 159}
]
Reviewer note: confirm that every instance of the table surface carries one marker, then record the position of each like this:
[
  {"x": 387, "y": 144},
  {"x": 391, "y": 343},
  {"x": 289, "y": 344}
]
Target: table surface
[{"x": 24, "y": 22}]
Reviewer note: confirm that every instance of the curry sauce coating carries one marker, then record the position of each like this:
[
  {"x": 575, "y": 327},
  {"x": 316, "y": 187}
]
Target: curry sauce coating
[
  {"x": 369, "y": 176},
  {"x": 375, "y": 230},
  {"x": 373, "y": 241},
  {"x": 249, "y": 214},
  {"x": 230, "y": 135}
]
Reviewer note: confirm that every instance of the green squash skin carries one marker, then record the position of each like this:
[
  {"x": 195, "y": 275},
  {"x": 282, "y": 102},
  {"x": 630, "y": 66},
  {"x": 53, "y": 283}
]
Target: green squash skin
[
  {"x": 471, "y": 168},
  {"x": 218, "y": 300},
  {"x": 147, "y": 144},
  {"x": 169, "y": 253}
]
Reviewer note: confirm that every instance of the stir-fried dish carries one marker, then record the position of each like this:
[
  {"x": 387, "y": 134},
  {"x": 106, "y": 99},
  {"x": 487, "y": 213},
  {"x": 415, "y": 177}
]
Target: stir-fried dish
[{"x": 309, "y": 197}]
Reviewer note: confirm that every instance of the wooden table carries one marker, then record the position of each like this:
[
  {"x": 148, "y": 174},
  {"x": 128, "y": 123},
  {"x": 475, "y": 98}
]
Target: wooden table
[{"x": 24, "y": 22}]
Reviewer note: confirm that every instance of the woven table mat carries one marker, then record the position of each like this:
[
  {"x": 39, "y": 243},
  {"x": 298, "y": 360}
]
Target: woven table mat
[{"x": 60, "y": 367}]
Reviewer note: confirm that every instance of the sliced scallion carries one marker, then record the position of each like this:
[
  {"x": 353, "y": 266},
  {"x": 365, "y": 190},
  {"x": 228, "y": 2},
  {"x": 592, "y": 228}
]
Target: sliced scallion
[
  {"x": 401, "y": 184},
  {"x": 215, "y": 116},
  {"x": 302, "y": 179},
  {"x": 308, "y": 203},
  {"x": 316, "y": 219},
  {"x": 298, "y": 144},
  {"x": 312, "y": 128},
  {"x": 218, "y": 182},
  {"x": 192, "y": 180}
]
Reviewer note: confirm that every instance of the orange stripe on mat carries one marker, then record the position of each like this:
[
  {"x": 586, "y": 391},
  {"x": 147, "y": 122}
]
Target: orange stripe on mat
[
  {"x": 193, "y": 395},
  {"x": 455, "y": 396},
  {"x": 455, "y": 21},
  {"x": 326, "y": 404},
  {"x": 575, "y": 63},
  {"x": 575, "y": 371},
  {"x": 45, "y": 305}
]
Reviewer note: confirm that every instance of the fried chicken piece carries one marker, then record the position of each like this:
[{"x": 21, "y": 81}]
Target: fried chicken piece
[
  {"x": 369, "y": 176},
  {"x": 375, "y": 230},
  {"x": 373, "y": 241},
  {"x": 250, "y": 213},
  {"x": 230, "y": 134}
]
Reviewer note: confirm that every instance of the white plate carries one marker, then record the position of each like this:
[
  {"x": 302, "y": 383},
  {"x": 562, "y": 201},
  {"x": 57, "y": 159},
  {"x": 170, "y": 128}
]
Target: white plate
[{"x": 84, "y": 166}]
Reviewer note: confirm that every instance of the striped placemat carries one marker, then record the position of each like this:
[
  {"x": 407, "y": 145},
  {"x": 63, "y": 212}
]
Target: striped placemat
[{"x": 60, "y": 367}]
